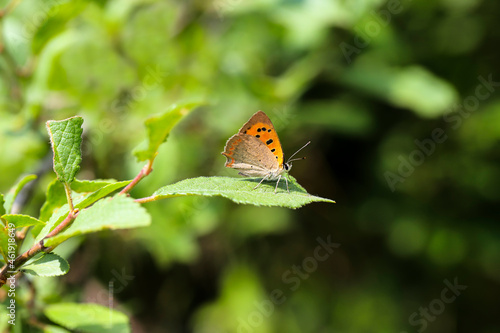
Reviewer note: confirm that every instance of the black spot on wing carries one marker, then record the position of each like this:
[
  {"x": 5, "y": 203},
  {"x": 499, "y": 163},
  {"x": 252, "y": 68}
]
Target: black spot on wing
[
  {"x": 257, "y": 136},
  {"x": 268, "y": 142}
]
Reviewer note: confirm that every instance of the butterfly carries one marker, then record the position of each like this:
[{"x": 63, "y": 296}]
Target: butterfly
[{"x": 255, "y": 151}]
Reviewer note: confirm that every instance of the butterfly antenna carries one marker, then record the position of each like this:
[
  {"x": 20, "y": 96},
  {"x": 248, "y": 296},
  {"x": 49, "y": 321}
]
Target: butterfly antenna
[
  {"x": 290, "y": 159},
  {"x": 296, "y": 159}
]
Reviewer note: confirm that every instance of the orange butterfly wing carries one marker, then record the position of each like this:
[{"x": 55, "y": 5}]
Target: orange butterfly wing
[{"x": 261, "y": 127}]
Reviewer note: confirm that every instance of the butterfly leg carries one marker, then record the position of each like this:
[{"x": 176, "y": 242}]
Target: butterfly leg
[
  {"x": 277, "y": 183},
  {"x": 265, "y": 178},
  {"x": 286, "y": 180}
]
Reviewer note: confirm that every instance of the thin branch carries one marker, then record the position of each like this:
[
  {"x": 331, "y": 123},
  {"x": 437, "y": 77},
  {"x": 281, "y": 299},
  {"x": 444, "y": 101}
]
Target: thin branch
[
  {"x": 27, "y": 193},
  {"x": 10, "y": 269},
  {"x": 21, "y": 235},
  {"x": 146, "y": 170},
  {"x": 146, "y": 199},
  {"x": 38, "y": 247},
  {"x": 67, "y": 189}
]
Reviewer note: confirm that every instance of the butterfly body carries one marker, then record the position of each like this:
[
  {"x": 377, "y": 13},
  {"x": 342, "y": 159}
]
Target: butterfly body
[{"x": 255, "y": 151}]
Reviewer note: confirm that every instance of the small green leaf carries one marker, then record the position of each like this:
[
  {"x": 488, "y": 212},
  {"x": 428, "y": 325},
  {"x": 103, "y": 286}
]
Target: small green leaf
[
  {"x": 66, "y": 138},
  {"x": 84, "y": 186},
  {"x": 80, "y": 203},
  {"x": 14, "y": 191},
  {"x": 88, "y": 318},
  {"x": 2, "y": 203},
  {"x": 101, "y": 193},
  {"x": 49, "y": 264},
  {"x": 240, "y": 190},
  {"x": 119, "y": 212},
  {"x": 159, "y": 127},
  {"x": 4, "y": 243},
  {"x": 54, "y": 329},
  {"x": 20, "y": 220},
  {"x": 55, "y": 198}
]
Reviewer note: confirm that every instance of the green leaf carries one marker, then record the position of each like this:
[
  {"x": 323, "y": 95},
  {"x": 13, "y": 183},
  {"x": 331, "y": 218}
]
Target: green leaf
[
  {"x": 159, "y": 127},
  {"x": 84, "y": 186},
  {"x": 80, "y": 203},
  {"x": 240, "y": 190},
  {"x": 14, "y": 191},
  {"x": 119, "y": 212},
  {"x": 66, "y": 138},
  {"x": 20, "y": 220},
  {"x": 101, "y": 193},
  {"x": 88, "y": 318},
  {"x": 4, "y": 243},
  {"x": 54, "y": 329},
  {"x": 2, "y": 203},
  {"x": 52, "y": 25},
  {"x": 55, "y": 198},
  {"x": 49, "y": 264}
]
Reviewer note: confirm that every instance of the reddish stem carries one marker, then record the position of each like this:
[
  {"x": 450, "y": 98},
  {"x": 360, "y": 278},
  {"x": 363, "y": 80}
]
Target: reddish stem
[
  {"x": 38, "y": 247},
  {"x": 146, "y": 170}
]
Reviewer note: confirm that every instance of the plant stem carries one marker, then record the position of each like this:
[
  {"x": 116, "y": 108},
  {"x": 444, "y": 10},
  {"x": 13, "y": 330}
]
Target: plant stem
[
  {"x": 146, "y": 170},
  {"x": 68, "y": 196},
  {"x": 38, "y": 247},
  {"x": 146, "y": 199},
  {"x": 20, "y": 235}
]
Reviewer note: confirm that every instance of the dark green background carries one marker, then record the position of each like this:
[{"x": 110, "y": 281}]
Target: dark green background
[{"x": 363, "y": 80}]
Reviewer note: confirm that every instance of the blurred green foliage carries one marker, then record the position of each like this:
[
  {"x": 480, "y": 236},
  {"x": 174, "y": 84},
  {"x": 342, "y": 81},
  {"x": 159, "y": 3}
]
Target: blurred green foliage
[{"x": 361, "y": 79}]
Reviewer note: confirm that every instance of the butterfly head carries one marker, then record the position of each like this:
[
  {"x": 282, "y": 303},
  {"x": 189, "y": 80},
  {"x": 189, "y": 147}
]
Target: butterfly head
[{"x": 288, "y": 165}]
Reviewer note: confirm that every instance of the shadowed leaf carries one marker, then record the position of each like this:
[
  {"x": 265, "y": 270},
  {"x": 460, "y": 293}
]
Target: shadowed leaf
[
  {"x": 241, "y": 190},
  {"x": 49, "y": 264},
  {"x": 80, "y": 202},
  {"x": 88, "y": 318},
  {"x": 119, "y": 212}
]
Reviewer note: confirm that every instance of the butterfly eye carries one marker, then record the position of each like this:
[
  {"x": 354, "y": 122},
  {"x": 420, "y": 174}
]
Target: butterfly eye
[{"x": 286, "y": 166}]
